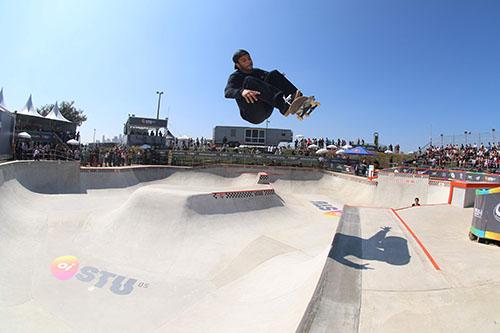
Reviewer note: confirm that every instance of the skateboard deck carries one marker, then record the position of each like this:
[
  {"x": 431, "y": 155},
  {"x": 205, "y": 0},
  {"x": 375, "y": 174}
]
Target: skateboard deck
[
  {"x": 296, "y": 104},
  {"x": 307, "y": 108}
]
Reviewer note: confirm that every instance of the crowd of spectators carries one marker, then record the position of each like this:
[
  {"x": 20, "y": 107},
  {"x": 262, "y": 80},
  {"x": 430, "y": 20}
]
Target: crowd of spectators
[
  {"x": 28, "y": 150},
  {"x": 467, "y": 157}
]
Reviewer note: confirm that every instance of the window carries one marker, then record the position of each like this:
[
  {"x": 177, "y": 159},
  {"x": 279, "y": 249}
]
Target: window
[{"x": 255, "y": 136}]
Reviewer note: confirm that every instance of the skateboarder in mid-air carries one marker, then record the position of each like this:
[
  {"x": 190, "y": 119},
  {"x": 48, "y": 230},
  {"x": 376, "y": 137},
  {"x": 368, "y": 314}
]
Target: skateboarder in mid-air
[{"x": 258, "y": 92}]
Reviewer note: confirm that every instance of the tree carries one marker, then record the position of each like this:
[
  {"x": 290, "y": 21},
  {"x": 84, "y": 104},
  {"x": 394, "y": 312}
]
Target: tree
[{"x": 68, "y": 110}]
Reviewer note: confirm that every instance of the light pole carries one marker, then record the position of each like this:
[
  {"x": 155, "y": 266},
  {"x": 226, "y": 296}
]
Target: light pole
[
  {"x": 94, "y": 136},
  {"x": 465, "y": 133},
  {"x": 442, "y": 142},
  {"x": 158, "y": 109},
  {"x": 159, "y": 99},
  {"x": 493, "y": 134},
  {"x": 267, "y": 123}
]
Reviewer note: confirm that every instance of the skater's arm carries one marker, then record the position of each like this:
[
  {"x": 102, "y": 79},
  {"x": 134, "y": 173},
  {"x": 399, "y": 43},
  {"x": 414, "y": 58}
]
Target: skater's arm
[{"x": 234, "y": 87}]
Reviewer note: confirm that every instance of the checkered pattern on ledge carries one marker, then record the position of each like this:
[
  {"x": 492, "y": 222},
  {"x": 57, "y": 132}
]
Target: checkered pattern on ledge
[
  {"x": 263, "y": 178},
  {"x": 242, "y": 194}
]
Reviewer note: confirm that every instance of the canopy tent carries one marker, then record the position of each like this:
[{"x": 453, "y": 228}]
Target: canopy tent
[
  {"x": 24, "y": 135},
  {"x": 358, "y": 151},
  {"x": 331, "y": 147},
  {"x": 2, "y": 103},
  {"x": 183, "y": 137},
  {"x": 347, "y": 146},
  {"x": 73, "y": 142},
  {"x": 29, "y": 109},
  {"x": 55, "y": 114}
]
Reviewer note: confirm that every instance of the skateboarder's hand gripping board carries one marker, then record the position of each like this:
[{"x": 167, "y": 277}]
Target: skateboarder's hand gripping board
[{"x": 250, "y": 96}]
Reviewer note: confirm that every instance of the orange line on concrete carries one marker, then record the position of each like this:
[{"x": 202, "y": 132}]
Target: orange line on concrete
[{"x": 418, "y": 241}]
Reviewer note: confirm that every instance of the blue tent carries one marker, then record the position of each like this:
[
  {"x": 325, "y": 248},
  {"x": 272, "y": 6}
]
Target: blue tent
[{"x": 357, "y": 151}]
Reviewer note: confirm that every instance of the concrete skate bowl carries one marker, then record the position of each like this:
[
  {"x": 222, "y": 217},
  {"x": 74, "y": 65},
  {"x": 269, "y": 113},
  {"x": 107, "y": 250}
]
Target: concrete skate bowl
[{"x": 158, "y": 249}]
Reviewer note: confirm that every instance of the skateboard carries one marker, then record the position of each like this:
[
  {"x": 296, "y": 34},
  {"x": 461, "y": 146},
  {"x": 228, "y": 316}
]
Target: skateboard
[
  {"x": 303, "y": 106},
  {"x": 307, "y": 108}
]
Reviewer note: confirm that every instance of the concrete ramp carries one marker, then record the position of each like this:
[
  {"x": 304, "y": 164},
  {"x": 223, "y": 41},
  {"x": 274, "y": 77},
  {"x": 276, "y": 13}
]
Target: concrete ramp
[
  {"x": 162, "y": 249},
  {"x": 400, "y": 190},
  {"x": 216, "y": 253}
]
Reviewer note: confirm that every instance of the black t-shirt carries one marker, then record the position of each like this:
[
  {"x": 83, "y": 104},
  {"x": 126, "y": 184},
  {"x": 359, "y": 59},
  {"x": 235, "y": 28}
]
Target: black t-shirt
[{"x": 234, "y": 85}]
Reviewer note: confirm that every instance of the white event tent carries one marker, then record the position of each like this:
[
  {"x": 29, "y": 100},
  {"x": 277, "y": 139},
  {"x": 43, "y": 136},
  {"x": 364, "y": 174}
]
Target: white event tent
[
  {"x": 2, "y": 103},
  {"x": 55, "y": 114},
  {"x": 29, "y": 109}
]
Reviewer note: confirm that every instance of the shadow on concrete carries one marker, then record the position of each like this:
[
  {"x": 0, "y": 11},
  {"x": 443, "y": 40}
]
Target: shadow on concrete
[
  {"x": 392, "y": 250},
  {"x": 207, "y": 204}
]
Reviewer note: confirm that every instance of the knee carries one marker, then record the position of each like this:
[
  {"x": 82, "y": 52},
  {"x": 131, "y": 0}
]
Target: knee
[
  {"x": 250, "y": 79},
  {"x": 250, "y": 82}
]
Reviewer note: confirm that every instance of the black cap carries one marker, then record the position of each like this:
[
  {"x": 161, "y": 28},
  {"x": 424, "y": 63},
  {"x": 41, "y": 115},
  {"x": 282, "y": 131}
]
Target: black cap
[{"x": 238, "y": 54}]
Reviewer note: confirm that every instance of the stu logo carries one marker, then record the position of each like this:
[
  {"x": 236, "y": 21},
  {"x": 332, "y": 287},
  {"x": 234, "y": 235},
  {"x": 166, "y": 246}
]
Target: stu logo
[{"x": 65, "y": 268}]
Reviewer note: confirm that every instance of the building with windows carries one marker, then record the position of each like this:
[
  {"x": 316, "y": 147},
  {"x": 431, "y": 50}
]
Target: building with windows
[
  {"x": 146, "y": 131},
  {"x": 237, "y": 135}
]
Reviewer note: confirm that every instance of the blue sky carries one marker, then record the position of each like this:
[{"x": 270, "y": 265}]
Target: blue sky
[{"x": 396, "y": 67}]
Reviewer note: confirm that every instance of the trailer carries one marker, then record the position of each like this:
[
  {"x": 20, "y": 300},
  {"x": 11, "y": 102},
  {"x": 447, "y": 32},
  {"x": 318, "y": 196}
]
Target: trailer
[{"x": 238, "y": 135}]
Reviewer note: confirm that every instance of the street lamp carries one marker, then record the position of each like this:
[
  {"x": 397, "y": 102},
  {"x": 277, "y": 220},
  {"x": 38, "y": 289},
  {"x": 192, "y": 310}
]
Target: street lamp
[
  {"x": 493, "y": 134},
  {"x": 158, "y": 110},
  {"x": 267, "y": 123},
  {"x": 159, "y": 99}
]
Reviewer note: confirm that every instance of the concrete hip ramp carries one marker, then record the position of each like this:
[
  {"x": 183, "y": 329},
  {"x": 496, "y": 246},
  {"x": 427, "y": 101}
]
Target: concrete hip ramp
[{"x": 153, "y": 250}]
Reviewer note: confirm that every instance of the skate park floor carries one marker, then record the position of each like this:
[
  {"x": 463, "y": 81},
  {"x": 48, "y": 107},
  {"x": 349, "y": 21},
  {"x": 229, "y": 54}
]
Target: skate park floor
[{"x": 211, "y": 250}]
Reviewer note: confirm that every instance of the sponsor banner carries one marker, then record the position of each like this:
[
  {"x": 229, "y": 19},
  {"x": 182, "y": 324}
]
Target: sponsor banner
[
  {"x": 450, "y": 174},
  {"x": 146, "y": 122},
  {"x": 6, "y": 133},
  {"x": 486, "y": 216}
]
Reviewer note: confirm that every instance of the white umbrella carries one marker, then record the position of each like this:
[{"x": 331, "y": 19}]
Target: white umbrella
[
  {"x": 145, "y": 146},
  {"x": 388, "y": 151},
  {"x": 313, "y": 146},
  {"x": 331, "y": 147},
  {"x": 73, "y": 142},
  {"x": 340, "y": 151},
  {"x": 410, "y": 152},
  {"x": 183, "y": 137},
  {"x": 347, "y": 146},
  {"x": 24, "y": 135},
  {"x": 321, "y": 151}
]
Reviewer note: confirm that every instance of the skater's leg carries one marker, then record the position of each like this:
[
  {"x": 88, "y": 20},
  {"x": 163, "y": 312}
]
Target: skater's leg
[
  {"x": 269, "y": 94},
  {"x": 279, "y": 81},
  {"x": 254, "y": 113}
]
